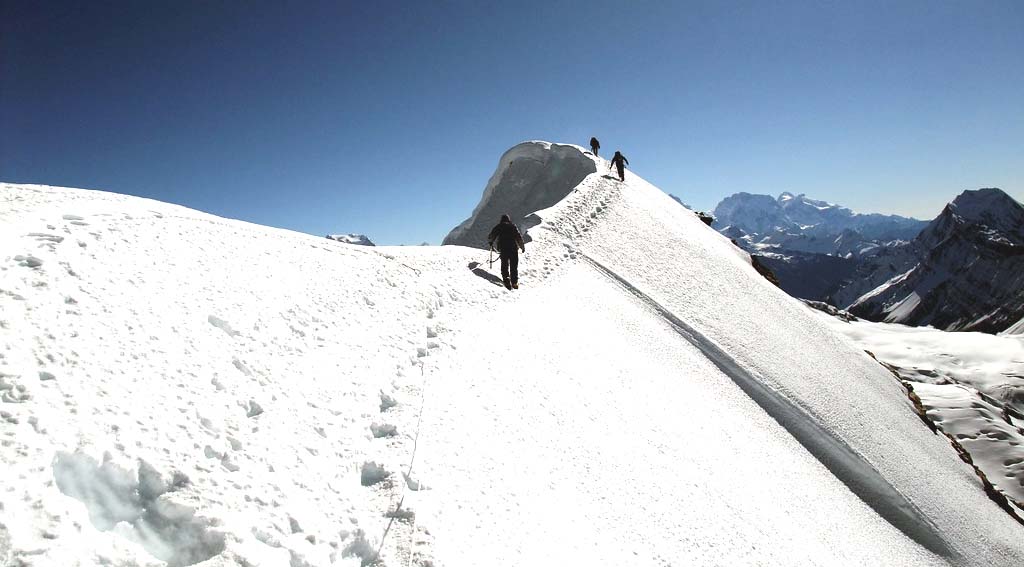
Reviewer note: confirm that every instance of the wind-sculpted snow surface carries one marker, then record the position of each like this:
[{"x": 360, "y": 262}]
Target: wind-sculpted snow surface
[
  {"x": 179, "y": 388},
  {"x": 531, "y": 176}
]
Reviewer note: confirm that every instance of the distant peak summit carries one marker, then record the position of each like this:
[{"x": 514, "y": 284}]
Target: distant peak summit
[
  {"x": 985, "y": 195},
  {"x": 360, "y": 239},
  {"x": 990, "y": 206}
]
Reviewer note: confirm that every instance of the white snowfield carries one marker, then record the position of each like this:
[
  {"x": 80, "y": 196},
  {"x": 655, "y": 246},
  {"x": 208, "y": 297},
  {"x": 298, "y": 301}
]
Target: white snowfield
[{"x": 184, "y": 389}]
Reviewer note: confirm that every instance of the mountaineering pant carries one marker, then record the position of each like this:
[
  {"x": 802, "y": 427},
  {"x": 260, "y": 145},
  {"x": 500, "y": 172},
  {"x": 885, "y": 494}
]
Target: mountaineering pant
[
  {"x": 622, "y": 171},
  {"x": 510, "y": 262}
]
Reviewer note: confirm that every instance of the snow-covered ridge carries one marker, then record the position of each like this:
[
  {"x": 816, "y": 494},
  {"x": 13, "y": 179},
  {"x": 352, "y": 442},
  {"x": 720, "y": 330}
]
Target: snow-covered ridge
[
  {"x": 658, "y": 237},
  {"x": 307, "y": 402}
]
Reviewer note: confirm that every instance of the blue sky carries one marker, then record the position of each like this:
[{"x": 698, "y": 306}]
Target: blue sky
[{"x": 387, "y": 118}]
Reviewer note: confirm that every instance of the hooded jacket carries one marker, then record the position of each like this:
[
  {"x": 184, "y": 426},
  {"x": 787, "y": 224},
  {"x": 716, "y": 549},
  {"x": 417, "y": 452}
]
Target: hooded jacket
[{"x": 507, "y": 237}]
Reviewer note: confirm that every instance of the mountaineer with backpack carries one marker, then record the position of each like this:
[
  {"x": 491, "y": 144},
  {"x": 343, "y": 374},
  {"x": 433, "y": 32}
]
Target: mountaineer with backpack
[
  {"x": 620, "y": 162},
  {"x": 594, "y": 145},
  {"x": 508, "y": 239}
]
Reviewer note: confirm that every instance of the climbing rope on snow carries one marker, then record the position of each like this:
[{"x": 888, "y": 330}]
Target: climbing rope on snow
[{"x": 412, "y": 461}]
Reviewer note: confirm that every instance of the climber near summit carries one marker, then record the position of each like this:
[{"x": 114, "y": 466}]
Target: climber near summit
[
  {"x": 620, "y": 162},
  {"x": 594, "y": 145},
  {"x": 509, "y": 239}
]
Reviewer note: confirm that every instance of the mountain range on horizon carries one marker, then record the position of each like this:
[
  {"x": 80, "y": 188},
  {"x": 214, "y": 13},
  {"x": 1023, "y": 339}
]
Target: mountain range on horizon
[{"x": 962, "y": 269}]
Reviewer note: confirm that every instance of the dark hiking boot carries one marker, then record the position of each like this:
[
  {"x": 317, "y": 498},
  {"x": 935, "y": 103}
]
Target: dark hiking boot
[
  {"x": 515, "y": 285},
  {"x": 508, "y": 284}
]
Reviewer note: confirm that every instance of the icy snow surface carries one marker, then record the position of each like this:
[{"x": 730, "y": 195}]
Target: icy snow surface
[{"x": 185, "y": 389}]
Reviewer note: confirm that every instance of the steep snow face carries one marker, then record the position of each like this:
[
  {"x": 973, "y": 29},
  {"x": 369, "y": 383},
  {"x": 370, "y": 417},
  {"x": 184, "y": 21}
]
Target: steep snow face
[
  {"x": 174, "y": 394},
  {"x": 530, "y": 176},
  {"x": 968, "y": 269},
  {"x": 358, "y": 239}
]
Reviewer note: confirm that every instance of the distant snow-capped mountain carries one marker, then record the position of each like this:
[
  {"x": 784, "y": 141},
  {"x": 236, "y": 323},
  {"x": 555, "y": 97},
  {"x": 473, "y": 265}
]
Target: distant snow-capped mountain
[
  {"x": 812, "y": 246},
  {"x": 798, "y": 223},
  {"x": 965, "y": 271},
  {"x": 360, "y": 239}
]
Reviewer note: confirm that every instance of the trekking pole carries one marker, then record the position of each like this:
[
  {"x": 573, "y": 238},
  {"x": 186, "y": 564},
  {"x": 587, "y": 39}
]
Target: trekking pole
[{"x": 490, "y": 258}]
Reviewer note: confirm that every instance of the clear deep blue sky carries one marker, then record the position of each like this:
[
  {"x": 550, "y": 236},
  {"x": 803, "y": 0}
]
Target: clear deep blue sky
[{"x": 387, "y": 118}]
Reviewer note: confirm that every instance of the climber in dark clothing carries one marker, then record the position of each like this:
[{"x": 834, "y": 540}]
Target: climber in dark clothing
[
  {"x": 594, "y": 146},
  {"x": 620, "y": 162},
  {"x": 508, "y": 239}
]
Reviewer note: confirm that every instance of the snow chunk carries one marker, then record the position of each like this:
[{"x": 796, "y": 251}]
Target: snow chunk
[
  {"x": 372, "y": 474},
  {"x": 116, "y": 497},
  {"x": 28, "y": 261}
]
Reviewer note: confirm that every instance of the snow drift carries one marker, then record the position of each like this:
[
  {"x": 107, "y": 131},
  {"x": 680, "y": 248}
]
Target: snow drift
[{"x": 184, "y": 389}]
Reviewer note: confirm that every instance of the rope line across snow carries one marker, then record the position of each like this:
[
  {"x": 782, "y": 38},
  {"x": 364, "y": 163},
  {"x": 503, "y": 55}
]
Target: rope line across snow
[{"x": 408, "y": 474}]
